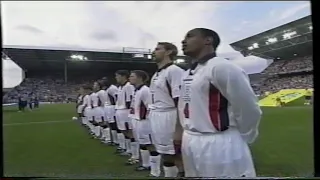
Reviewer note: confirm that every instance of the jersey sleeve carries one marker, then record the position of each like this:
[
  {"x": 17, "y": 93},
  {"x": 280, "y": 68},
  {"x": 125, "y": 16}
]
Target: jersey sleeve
[
  {"x": 89, "y": 101},
  {"x": 129, "y": 91},
  {"x": 146, "y": 97},
  {"x": 113, "y": 91},
  {"x": 235, "y": 86},
  {"x": 174, "y": 79},
  {"x": 85, "y": 101}
]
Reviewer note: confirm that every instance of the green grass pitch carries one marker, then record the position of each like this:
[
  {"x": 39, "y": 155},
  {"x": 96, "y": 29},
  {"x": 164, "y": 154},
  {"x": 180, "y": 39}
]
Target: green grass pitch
[{"x": 47, "y": 143}]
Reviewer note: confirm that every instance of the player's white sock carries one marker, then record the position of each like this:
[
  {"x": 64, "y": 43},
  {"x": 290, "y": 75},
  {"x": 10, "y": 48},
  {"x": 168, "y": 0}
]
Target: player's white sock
[
  {"x": 155, "y": 165},
  {"x": 121, "y": 141},
  {"x": 107, "y": 134},
  {"x": 128, "y": 146},
  {"x": 134, "y": 150},
  {"x": 145, "y": 158},
  {"x": 114, "y": 136},
  {"x": 91, "y": 127},
  {"x": 97, "y": 130},
  {"x": 170, "y": 171}
]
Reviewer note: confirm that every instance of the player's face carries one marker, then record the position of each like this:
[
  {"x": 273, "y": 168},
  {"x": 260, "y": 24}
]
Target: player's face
[
  {"x": 133, "y": 79},
  {"x": 96, "y": 86},
  {"x": 192, "y": 43},
  {"x": 159, "y": 53},
  {"x": 119, "y": 78}
]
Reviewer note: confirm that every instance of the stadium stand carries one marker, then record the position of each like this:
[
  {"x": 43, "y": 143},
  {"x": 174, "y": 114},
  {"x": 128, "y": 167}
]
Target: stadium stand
[
  {"x": 292, "y": 54},
  {"x": 54, "y": 74}
]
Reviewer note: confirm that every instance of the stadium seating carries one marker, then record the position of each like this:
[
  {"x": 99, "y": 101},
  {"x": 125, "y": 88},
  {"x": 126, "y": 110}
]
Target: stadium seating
[{"x": 273, "y": 83}]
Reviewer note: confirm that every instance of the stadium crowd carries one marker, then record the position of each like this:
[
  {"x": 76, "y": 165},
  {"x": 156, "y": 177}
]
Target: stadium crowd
[
  {"x": 289, "y": 66},
  {"x": 47, "y": 89}
]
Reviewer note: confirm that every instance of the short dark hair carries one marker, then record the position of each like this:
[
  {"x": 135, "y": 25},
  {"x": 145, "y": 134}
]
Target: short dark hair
[
  {"x": 103, "y": 82},
  {"x": 170, "y": 47},
  {"x": 141, "y": 74},
  {"x": 123, "y": 73},
  {"x": 210, "y": 33}
]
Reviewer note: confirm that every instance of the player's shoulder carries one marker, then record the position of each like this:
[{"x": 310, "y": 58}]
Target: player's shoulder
[
  {"x": 174, "y": 70},
  {"x": 219, "y": 63},
  {"x": 128, "y": 85},
  {"x": 145, "y": 88},
  {"x": 174, "y": 67},
  {"x": 112, "y": 87}
]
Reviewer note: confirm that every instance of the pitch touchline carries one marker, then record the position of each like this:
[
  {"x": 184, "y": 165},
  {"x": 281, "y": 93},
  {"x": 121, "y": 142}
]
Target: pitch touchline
[{"x": 29, "y": 123}]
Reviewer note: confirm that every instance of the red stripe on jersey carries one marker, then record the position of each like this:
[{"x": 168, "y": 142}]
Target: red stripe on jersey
[
  {"x": 218, "y": 109},
  {"x": 214, "y": 106},
  {"x": 143, "y": 111}
]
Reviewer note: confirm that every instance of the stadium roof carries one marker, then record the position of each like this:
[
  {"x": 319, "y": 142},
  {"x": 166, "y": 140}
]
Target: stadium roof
[
  {"x": 53, "y": 58},
  {"x": 283, "y": 42}
]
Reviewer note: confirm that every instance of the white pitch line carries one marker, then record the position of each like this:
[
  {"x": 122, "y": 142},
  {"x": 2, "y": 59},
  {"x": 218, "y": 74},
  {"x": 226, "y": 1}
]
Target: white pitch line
[{"x": 29, "y": 123}]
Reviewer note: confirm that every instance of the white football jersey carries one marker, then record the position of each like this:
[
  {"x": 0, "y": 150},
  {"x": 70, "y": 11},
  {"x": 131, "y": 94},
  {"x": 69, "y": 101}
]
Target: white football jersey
[
  {"x": 217, "y": 95},
  {"x": 94, "y": 99},
  {"x": 87, "y": 101},
  {"x": 111, "y": 95},
  {"x": 124, "y": 95},
  {"x": 165, "y": 85},
  {"x": 140, "y": 102},
  {"x": 80, "y": 99},
  {"x": 101, "y": 96}
]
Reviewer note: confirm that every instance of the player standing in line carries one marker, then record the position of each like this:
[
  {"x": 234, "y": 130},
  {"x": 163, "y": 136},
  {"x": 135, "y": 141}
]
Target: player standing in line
[
  {"x": 102, "y": 123},
  {"x": 109, "y": 108},
  {"x": 90, "y": 114},
  {"x": 141, "y": 123},
  {"x": 220, "y": 112},
  {"x": 96, "y": 109},
  {"x": 163, "y": 116},
  {"x": 80, "y": 103},
  {"x": 124, "y": 123},
  {"x": 87, "y": 109}
]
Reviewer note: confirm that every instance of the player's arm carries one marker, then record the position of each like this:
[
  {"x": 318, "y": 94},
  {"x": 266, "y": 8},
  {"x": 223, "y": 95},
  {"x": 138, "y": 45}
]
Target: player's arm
[
  {"x": 84, "y": 103},
  {"x": 145, "y": 97},
  {"x": 234, "y": 84},
  {"x": 174, "y": 79},
  {"x": 78, "y": 104},
  {"x": 129, "y": 91}
]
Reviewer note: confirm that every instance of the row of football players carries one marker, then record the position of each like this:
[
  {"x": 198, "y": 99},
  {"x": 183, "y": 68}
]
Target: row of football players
[
  {"x": 118, "y": 115},
  {"x": 210, "y": 108}
]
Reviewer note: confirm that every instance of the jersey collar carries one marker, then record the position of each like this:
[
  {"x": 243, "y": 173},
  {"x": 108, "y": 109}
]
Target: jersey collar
[
  {"x": 203, "y": 60},
  {"x": 165, "y": 66},
  {"x": 139, "y": 87}
]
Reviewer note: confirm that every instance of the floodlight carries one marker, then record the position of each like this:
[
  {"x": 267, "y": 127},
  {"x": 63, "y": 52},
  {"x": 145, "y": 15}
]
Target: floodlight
[
  {"x": 272, "y": 40},
  {"x": 78, "y": 57},
  {"x": 255, "y": 45},
  {"x": 289, "y": 35}
]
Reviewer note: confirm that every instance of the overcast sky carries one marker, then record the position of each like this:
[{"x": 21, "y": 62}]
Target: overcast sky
[{"x": 113, "y": 25}]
